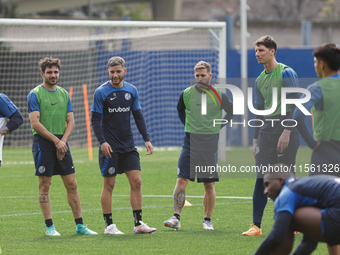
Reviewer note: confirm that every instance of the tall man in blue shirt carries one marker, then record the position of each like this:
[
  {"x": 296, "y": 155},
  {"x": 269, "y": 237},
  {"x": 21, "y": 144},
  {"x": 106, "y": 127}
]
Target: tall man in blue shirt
[
  {"x": 8, "y": 110},
  {"x": 272, "y": 142},
  {"x": 113, "y": 103}
]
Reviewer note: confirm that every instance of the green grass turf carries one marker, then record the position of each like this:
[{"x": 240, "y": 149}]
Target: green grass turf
[{"x": 22, "y": 228}]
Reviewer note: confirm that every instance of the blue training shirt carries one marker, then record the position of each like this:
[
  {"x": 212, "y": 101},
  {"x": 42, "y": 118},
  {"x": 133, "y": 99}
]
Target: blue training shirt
[
  {"x": 7, "y": 108},
  {"x": 115, "y": 105},
  {"x": 321, "y": 191}
]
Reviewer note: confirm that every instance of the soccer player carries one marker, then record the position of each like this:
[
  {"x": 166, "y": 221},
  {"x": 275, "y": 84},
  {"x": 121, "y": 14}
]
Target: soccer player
[
  {"x": 325, "y": 105},
  {"x": 112, "y": 105},
  {"x": 8, "y": 110},
  {"x": 309, "y": 205},
  {"x": 49, "y": 108},
  {"x": 200, "y": 142},
  {"x": 272, "y": 142}
]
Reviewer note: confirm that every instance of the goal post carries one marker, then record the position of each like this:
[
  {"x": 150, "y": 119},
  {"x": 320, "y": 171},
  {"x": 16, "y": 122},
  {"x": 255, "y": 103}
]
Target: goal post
[{"x": 160, "y": 57}]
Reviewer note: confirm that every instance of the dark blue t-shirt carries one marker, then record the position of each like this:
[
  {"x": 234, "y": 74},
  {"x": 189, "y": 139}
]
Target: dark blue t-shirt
[{"x": 115, "y": 105}]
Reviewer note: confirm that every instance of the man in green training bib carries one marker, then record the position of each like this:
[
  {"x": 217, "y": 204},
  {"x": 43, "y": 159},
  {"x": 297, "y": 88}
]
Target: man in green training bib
[
  {"x": 49, "y": 108},
  {"x": 197, "y": 108},
  {"x": 324, "y": 103},
  {"x": 273, "y": 143}
]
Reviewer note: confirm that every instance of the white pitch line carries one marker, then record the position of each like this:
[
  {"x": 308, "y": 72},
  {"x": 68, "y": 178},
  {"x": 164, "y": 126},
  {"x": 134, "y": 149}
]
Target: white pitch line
[
  {"x": 227, "y": 197},
  {"x": 162, "y": 196},
  {"x": 119, "y": 208}
]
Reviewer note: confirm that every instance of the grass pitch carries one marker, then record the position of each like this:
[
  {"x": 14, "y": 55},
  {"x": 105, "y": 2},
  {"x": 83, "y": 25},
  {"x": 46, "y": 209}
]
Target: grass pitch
[{"x": 22, "y": 228}]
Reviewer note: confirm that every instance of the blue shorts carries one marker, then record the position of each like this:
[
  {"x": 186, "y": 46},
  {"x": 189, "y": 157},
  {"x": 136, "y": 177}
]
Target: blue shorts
[
  {"x": 47, "y": 163},
  {"x": 326, "y": 159},
  {"x": 267, "y": 154},
  {"x": 330, "y": 225},
  {"x": 118, "y": 163},
  {"x": 197, "y": 163}
]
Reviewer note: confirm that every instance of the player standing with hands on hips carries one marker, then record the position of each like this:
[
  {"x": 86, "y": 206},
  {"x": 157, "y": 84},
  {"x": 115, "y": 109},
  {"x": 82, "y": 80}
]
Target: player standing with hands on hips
[
  {"x": 272, "y": 142},
  {"x": 112, "y": 105},
  {"x": 49, "y": 108},
  {"x": 8, "y": 110}
]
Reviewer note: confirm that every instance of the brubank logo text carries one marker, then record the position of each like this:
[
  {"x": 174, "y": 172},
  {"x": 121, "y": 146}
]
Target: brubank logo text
[{"x": 238, "y": 104}]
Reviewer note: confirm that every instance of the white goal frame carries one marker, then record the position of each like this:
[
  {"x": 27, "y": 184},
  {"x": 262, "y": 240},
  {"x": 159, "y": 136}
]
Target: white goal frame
[{"x": 221, "y": 37}]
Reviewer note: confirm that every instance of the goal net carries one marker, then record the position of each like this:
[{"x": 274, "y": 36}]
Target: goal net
[{"x": 160, "y": 57}]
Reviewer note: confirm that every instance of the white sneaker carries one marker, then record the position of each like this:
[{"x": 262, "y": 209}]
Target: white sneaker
[
  {"x": 208, "y": 225},
  {"x": 112, "y": 230},
  {"x": 173, "y": 222},
  {"x": 143, "y": 229}
]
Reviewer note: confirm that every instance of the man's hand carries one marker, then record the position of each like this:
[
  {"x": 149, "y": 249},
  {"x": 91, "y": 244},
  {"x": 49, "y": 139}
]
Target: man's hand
[
  {"x": 318, "y": 144},
  {"x": 254, "y": 148},
  {"x": 61, "y": 149},
  {"x": 149, "y": 148},
  {"x": 283, "y": 140},
  {"x": 60, "y": 156},
  {"x": 106, "y": 149}
]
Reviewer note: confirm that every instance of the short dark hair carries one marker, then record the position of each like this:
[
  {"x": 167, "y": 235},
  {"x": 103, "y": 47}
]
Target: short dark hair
[
  {"x": 268, "y": 41},
  {"x": 279, "y": 170},
  {"x": 330, "y": 54},
  {"x": 49, "y": 62}
]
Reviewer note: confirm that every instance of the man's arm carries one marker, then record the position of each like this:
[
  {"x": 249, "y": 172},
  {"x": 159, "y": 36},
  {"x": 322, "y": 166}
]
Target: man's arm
[
  {"x": 305, "y": 247},
  {"x": 68, "y": 131},
  {"x": 181, "y": 109},
  {"x": 277, "y": 234},
  {"x": 141, "y": 125},
  {"x": 259, "y": 102},
  {"x": 257, "y": 128},
  {"x": 14, "y": 122},
  {"x": 70, "y": 126},
  {"x": 306, "y": 133},
  {"x": 227, "y": 106},
  {"x": 289, "y": 80},
  {"x": 97, "y": 128}
]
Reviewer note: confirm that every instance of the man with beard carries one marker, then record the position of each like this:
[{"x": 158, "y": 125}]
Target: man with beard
[
  {"x": 112, "y": 105},
  {"x": 200, "y": 144},
  {"x": 49, "y": 108}
]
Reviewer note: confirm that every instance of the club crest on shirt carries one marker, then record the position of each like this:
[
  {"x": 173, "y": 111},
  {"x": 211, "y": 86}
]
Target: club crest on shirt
[{"x": 127, "y": 96}]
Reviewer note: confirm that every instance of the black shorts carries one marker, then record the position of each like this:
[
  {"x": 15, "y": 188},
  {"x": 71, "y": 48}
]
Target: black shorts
[
  {"x": 47, "y": 163},
  {"x": 326, "y": 159},
  {"x": 330, "y": 225},
  {"x": 267, "y": 153},
  {"x": 196, "y": 163},
  {"x": 118, "y": 163}
]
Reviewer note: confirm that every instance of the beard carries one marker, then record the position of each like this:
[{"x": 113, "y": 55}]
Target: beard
[
  {"x": 117, "y": 82},
  {"x": 48, "y": 82}
]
